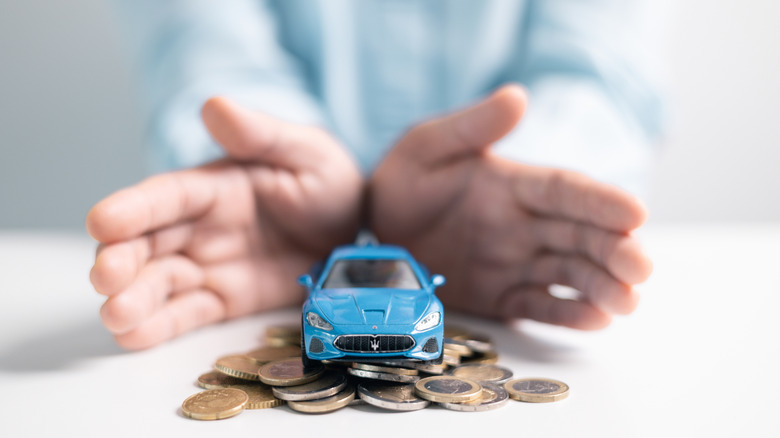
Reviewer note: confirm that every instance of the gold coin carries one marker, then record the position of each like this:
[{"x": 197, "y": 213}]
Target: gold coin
[
  {"x": 238, "y": 366},
  {"x": 385, "y": 369},
  {"x": 270, "y": 353},
  {"x": 215, "y": 404},
  {"x": 323, "y": 405},
  {"x": 216, "y": 380},
  {"x": 330, "y": 383},
  {"x": 482, "y": 373},
  {"x": 457, "y": 346},
  {"x": 447, "y": 389},
  {"x": 537, "y": 390},
  {"x": 288, "y": 372},
  {"x": 260, "y": 396}
]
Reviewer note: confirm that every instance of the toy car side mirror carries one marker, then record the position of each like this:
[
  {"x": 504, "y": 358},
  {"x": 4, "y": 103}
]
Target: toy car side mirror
[
  {"x": 438, "y": 280},
  {"x": 306, "y": 281}
]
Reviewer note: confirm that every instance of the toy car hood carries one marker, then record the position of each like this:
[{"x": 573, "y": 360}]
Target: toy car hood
[{"x": 373, "y": 305}]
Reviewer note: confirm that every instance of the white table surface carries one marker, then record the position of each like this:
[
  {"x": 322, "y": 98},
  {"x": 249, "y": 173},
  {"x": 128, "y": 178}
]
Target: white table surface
[{"x": 700, "y": 356}]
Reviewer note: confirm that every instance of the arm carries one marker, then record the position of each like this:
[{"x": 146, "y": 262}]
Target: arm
[
  {"x": 190, "y": 50},
  {"x": 592, "y": 107}
]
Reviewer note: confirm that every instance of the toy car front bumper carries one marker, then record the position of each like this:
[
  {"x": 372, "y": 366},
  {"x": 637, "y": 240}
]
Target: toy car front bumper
[{"x": 321, "y": 344}]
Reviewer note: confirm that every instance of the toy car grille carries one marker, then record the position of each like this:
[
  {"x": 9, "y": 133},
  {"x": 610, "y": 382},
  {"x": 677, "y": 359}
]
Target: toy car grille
[{"x": 374, "y": 343}]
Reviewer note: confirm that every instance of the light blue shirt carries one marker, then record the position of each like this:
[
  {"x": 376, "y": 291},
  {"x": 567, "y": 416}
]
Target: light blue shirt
[{"x": 367, "y": 70}]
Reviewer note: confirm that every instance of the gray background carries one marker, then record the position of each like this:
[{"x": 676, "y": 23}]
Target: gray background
[{"x": 71, "y": 129}]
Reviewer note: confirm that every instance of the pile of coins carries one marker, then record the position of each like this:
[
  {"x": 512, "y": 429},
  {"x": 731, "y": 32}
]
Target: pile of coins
[{"x": 469, "y": 379}]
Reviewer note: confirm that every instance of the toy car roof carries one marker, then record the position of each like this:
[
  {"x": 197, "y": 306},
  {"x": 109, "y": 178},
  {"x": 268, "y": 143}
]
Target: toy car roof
[{"x": 370, "y": 251}]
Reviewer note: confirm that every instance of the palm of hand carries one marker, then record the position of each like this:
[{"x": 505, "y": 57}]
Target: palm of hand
[
  {"x": 265, "y": 227},
  {"x": 472, "y": 234},
  {"x": 193, "y": 247},
  {"x": 501, "y": 231}
]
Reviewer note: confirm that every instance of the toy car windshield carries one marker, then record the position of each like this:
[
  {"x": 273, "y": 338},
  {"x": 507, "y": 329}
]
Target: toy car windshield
[{"x": 371, "y": 273}]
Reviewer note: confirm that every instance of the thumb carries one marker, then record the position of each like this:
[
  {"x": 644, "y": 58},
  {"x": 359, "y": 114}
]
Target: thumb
[
  {"x": 253, "y": 136},
  {"x": 468, "y": 131}
]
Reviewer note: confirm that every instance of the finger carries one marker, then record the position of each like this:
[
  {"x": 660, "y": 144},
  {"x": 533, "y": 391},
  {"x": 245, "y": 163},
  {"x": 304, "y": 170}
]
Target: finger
[
  {"x": 598, "y": 287},
  {"x": 149, "y": 292},
  {"x": 622, "y": 255},
  {"x": 182, "y": 313},
  {"x": 118, "y": 264},
  {"x": 251, "y": 135},
  {"x": 568, "y": 194},
  {"x": 467, "y": 132},
  {"x": 156, "y": 202},
  {"x": 535, "y": 302}
]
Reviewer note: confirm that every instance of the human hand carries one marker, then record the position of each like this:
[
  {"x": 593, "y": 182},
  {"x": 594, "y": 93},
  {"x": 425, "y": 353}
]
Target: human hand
[
  {"x": 502, "y": 232},
  {"x": 193, "y": 247}
]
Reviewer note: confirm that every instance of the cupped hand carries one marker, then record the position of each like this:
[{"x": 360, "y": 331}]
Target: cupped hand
[
  {"x": 502, "y": 232},
  {"x": 192, "y": 247}
]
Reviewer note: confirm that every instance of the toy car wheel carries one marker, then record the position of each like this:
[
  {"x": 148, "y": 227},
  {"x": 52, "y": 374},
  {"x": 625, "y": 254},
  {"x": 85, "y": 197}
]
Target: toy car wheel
[{"x": 437, "y": 361}]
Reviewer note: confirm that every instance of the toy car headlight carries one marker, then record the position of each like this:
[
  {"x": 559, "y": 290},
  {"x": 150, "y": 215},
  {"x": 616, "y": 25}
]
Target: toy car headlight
[
  {"x": 430, "y": 321},
  {"x": 317, "y": 321}
]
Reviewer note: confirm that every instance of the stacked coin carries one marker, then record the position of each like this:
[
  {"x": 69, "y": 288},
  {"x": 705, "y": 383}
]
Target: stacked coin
[{"x": 467, "y": 380}]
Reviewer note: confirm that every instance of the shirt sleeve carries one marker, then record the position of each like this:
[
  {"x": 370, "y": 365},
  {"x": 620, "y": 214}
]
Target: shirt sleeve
[
  {"x": 190, "y": 50},
  {"x": 592, "y": 106}
]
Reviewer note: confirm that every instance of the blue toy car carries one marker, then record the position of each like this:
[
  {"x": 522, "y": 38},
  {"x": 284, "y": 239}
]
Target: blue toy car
[{"x": 371, "y": 303}]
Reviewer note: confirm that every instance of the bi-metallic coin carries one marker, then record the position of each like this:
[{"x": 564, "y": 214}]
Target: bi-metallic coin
[
  {"x": 537, "y": 390},
  {"x": 447, "y": 389},
  {"x": 392, "y": 396},
  {"x": 482, "y": 373},
  {"x": 491, "y": 397}
]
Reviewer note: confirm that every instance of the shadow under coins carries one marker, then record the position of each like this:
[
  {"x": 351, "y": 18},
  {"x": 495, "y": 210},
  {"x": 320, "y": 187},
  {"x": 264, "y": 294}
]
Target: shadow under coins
[{"x": 60, "y": 348}]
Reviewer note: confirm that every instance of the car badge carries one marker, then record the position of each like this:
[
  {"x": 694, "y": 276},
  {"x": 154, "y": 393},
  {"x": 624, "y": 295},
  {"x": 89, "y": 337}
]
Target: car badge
[{"x": 374, "y": 343}]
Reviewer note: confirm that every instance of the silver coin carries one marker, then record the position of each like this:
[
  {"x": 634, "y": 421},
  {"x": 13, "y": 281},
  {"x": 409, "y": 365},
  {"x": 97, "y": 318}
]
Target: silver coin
[
  {"x": 419, "y": 366},
  {"x": 451, "y": 358},
  {"x": 327, "y": 404},
  {"x": 383, "y": 376},
  {"x": 385, "y": 369},
  {"x": 482, "y": 373},
  {"x": 392, "y": 396},
  {"x": 492, "y": 397},
  {"x": 330, "y": 383}
]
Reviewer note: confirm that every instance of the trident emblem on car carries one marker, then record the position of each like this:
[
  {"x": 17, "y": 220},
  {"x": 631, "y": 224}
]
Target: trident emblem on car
[{"x": 374, "y": 343}]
